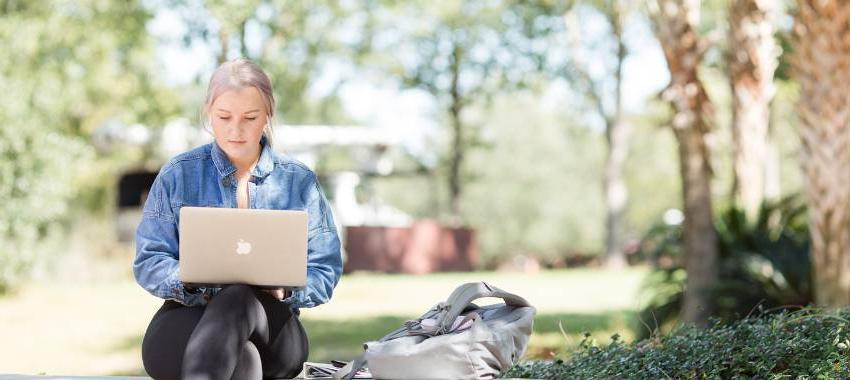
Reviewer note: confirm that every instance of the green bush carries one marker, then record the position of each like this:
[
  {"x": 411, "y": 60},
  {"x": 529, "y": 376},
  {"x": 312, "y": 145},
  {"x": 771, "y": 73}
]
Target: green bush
[
  {"x": 802, "y": 344},
  {"x": 762, "y": 264},
  {"x": 37, "y": 168},
  {"x": 76, "y": 65}
]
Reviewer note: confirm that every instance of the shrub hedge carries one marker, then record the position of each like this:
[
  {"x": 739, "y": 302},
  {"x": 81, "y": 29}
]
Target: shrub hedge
[{"x": 804, "y": 344}]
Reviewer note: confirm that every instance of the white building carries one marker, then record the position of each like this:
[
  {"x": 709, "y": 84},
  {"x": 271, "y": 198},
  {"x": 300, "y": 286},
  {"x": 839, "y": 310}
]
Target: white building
[{"x": 366, "y": 152}]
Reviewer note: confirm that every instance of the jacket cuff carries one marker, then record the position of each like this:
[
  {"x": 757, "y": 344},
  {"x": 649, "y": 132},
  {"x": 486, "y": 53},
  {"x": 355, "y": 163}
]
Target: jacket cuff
[
  {"x": 188, "y": 296},
  {"x": 298, "y": 298}
]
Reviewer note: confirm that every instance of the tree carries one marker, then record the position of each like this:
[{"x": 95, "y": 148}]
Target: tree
[
  {"x": 617, "y": 128},
  {"x": 675, "y": 24},
  {"x": 541, "y": 215},
  {"x": 71, "y": 66},
  {"x": 303, "y": 38},
  {"x": 753, "y": 58},
  {"x": 232, "y": 17},
  {"x": 821, "y": 63},
  {"x": 454, "y": 51},
  {"x": 287, "y": 46},
  {"x": 557, "y": 24}
]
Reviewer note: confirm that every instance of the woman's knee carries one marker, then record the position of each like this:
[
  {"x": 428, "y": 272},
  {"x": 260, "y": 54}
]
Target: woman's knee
[
  {"x": 165, "y": 340},
  {"x": 249, "y": 365}
]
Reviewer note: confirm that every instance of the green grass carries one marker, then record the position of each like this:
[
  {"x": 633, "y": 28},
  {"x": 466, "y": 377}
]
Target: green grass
[
  {"x": 95, "y": 328},
  {"x": 343, "y": 339}
]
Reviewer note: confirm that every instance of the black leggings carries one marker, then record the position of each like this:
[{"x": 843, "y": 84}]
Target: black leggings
[{"x": 242, "y": 333}]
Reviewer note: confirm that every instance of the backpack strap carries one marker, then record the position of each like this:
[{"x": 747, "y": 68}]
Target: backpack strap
[
  {"x": 412, "y": 327},
  {"x": 465, "y": 294},
  {"x": 348, "y": 371}
]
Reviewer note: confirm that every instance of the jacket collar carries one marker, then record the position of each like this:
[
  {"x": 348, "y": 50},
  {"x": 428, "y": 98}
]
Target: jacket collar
[{"x": 264, "y": 167}]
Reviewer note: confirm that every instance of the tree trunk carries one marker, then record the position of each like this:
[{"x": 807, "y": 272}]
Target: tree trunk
[
  {"x": 616, "y": 192},
  {"x": 822, "y": 66},
  {"x": 675, "y": 24},
  {"x": 617, "y": 130},
  {"x": 243, "y": 46},
  {"x": 752, "y": 62},
  {"x": 457, "y": 147},
  {"x": 224, "y": 42},
  {"x": 617, "y": 133},
  {"x": 699, "y": 234}
]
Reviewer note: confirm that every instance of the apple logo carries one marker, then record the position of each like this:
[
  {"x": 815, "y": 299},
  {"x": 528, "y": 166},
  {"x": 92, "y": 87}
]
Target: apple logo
[{"x": 243, "y": 247}]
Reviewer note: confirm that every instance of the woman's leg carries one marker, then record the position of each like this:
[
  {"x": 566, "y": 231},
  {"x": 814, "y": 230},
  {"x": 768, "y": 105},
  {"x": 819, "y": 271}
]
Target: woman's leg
[
  {"x": 287, "y": 348},
  {"x": 229, "y": 338},
  {"x": 166, "y": 338},
  {"x": 249, "y": 365},
  {"x": 231, "y": 318}
]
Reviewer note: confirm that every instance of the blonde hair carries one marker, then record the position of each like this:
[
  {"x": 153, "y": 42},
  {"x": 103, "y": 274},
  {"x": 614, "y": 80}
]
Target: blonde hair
[{"x": 235, "y": 74}]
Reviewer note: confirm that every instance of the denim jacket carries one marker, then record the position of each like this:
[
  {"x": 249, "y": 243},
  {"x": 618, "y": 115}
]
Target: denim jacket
[{"x": 205, "y": 177}]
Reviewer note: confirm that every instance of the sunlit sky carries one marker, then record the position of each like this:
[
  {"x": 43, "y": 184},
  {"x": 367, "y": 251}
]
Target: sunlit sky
[{"x": 382, "y": 104}]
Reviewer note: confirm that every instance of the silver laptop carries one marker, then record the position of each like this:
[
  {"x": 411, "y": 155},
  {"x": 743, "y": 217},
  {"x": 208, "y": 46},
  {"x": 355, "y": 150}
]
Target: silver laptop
[{"x": 220, "y": 246}]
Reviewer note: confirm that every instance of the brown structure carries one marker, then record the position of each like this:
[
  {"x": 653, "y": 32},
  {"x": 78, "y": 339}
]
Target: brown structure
[{"x": 424, "y": 247}]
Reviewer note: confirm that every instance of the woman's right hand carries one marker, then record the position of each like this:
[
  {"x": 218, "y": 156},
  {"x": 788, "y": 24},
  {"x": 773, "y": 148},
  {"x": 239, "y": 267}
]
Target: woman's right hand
[{"x": 276, "y": 293}]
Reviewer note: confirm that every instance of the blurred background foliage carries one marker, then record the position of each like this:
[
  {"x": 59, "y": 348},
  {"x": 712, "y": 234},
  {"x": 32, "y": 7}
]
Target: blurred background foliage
[
  {"x": 69, "y": 66},
  {"x": 532, "y": 156}
]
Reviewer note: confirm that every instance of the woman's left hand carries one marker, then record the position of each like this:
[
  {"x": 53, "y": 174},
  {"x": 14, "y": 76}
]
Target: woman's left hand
[{"x": 276, "y": 293}]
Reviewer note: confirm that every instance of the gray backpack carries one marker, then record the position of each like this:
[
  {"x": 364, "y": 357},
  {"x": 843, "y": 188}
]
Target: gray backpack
[{"x": 455, "y": 339}]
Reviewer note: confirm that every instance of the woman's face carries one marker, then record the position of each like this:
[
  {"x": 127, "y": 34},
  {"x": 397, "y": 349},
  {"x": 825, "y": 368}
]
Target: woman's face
[{"x": 238, "y": 119}]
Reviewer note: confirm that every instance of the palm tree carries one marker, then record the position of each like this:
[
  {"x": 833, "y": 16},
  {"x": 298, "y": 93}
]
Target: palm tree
[
  {"x": 822, "y": 66},
  {"x": 752, "y": 61},
  {"x": 675, "y": 23}
]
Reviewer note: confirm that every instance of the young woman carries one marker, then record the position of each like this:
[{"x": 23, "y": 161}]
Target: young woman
[{"x": 234, "y": 332}]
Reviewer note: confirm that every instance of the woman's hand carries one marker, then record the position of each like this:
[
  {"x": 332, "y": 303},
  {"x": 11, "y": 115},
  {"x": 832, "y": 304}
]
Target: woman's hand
[{"x": 276, "y": 293}]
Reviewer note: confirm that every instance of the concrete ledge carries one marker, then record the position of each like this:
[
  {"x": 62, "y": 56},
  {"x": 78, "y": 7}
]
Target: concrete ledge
[{"x": 27, "y": 377}]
